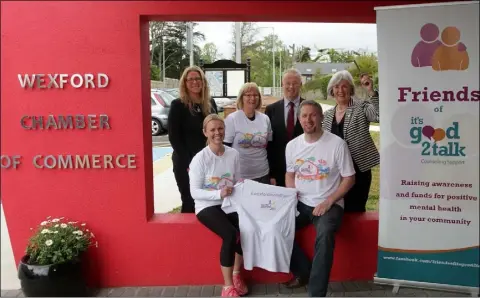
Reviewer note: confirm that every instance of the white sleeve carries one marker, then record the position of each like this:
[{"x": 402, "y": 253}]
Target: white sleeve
[
  {"x": 344, "y": 161},
  {"x": 236, "y": 165},
  {"x": 229, "y": 129},
  {"x": 269, "y": 130},
  {"x": 197, "y": 178},
  {"x": 288, "y": 158},
  {"x": 229, "y": 203}
]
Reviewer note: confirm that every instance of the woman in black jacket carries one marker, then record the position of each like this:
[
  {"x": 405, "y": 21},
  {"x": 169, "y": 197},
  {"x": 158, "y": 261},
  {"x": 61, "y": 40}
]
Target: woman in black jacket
[{"x": 185, "y": 124}]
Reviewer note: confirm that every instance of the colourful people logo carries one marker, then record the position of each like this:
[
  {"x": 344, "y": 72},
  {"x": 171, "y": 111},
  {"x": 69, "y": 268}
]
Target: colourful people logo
[
  {"x": 311, "y": 169},
  {"x": 256, "y": 140},
  {"x": 215, "y": 183},
  {"x": 449, "y": 53}
]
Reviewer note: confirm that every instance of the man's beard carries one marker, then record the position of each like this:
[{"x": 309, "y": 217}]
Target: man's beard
[{"x": 312, "y": 130}]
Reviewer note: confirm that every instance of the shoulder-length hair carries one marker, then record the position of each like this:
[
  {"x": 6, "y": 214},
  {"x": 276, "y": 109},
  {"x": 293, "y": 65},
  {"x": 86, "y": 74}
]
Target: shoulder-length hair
[{"x": 245, "y": 88}]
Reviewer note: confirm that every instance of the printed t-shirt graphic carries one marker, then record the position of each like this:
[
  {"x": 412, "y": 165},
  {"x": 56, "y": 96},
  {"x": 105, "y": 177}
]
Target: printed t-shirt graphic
[
  {"x": 267, "y": 224},
  {"x": 249, "y": 138},
  {"x": 318, "y": 166},
  {"x": 209, "y": 173}
]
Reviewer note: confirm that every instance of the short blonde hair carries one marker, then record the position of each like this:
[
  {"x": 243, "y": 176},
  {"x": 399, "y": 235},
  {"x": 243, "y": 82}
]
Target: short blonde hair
[
  {"x": 337, "y": 78},
  {"x": 210, "y": 118},
  {"x": 247, "y": 87}
]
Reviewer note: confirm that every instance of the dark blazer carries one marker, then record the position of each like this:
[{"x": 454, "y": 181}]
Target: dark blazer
[
  {"x": 185, "y": 132},
  {"x": 276, "y": 148},
  {"x": 356, "y": 130}
]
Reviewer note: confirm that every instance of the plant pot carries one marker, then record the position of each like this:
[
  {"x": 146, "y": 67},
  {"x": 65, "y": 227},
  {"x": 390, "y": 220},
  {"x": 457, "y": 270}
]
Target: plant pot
[{"x": 60, "y": 280}]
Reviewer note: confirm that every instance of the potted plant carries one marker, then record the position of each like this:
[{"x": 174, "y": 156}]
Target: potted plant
[{"x": 52, "y": 266}]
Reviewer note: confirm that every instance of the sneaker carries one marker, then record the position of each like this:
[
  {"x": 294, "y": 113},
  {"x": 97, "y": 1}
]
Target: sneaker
[
  {"x": 229, "y": 292},
  {"x": 240, "y": 286}
]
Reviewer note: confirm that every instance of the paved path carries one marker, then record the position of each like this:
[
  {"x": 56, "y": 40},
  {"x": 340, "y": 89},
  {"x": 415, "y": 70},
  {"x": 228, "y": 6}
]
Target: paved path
[
  {"x": 9, "y": 278},
  {"x": 336, "y": 289}
]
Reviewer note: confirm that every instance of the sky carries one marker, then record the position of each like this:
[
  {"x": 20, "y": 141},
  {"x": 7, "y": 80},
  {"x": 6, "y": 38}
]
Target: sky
[{"x": 314, "y": 35}]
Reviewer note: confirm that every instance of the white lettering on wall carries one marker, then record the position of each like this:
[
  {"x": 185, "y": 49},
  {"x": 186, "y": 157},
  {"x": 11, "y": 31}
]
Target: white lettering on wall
[
  {"x": 95, "y": 161},
  {"x": 63, "y": 122},
  {"x": 59, "y": 81}
]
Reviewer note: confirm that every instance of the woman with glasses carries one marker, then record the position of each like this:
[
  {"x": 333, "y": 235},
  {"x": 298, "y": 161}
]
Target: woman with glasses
[
  {"x": 185, "y": 128},
  {"x": 350, "y": 120},
  {"x": 248, "y": 131}
]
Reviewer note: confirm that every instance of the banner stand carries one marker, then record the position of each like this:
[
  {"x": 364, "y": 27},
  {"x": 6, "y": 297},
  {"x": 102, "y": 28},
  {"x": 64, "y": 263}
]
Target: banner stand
[
  {"x": 429, "y": 221},
  {"x": 396, "y": 283}
]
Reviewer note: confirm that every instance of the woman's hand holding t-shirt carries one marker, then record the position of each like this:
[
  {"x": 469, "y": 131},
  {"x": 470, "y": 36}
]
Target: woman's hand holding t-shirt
[{"x": 226, "y": 191}]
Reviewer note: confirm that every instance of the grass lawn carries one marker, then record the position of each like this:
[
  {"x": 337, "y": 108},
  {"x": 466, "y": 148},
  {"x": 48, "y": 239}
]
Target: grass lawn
[{"x": 372, "y": 203}]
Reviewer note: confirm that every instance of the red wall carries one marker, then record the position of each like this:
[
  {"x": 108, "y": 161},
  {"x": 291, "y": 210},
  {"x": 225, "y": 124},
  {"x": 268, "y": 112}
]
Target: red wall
[{"x": 135, "y": 247}]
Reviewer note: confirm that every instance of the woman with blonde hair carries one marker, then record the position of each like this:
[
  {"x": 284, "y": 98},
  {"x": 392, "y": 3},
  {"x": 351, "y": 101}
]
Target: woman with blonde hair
[
  {"x": 249, "y": 131},
  {"x": 185, "y": 122},
  {"x": 213, "y": 173}
]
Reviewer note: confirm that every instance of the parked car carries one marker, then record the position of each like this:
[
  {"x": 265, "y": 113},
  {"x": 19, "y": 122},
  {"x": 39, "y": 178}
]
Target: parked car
[
  {"x": 223, "y": 101},
  {"x": 172, "y": 91},
  {"x": 161, "y": 101}
]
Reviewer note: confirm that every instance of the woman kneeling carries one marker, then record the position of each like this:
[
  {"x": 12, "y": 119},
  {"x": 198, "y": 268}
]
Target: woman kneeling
[{"x": 213, "y": 173}]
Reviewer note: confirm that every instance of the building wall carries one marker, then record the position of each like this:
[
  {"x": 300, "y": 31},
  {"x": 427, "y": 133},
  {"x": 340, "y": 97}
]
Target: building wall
[
  {"x": 169, "y": 83},
  {"x": 136, "y": 247}
]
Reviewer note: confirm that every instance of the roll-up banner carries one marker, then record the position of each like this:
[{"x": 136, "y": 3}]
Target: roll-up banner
[{"x": 429, "y": 113}]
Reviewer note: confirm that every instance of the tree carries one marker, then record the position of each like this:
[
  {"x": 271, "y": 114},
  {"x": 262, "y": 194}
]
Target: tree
[
  {"x": 173, "y": 37},
  {"x": 335, "y": 56},
  {"x": 303, "y": 54},
  {"x": 248, "y": 35},
  {"x": 154, "y": 73},
  {"x": 260, "y": 53},
  {"x": 156, "y": 32},
  {"x": 209, "y": 53},
  {"x": 368, "y": 63}
]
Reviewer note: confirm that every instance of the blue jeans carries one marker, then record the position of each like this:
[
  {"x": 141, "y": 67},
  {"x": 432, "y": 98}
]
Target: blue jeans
[{"x": 316, "y": 272}]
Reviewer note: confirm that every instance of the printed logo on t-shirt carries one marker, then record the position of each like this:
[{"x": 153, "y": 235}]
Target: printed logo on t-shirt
[
  {"x": 255, "y": 140},
  {"x": 310, "y": 169},
  {"x": 270, "y": 205},
  {"x": 215, "y": 183}
]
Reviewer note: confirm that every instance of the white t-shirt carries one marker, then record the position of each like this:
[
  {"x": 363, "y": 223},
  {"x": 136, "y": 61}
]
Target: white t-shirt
[
  {"x": 266, "y": 216},
  {"x": 209, "y": 173},
  {"x": 250, "y": 139},
  {"x": 318, "y": 166}
]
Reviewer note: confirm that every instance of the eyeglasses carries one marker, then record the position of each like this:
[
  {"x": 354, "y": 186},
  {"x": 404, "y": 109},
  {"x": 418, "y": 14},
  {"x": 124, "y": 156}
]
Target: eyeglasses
[
  {"x": 197, "y": 79},
  {"x": 252, "y": 95}
]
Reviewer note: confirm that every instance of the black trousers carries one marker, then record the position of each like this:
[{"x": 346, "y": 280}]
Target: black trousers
[
  {"x": 225, "y": 226},
  {"x": 316, "y": 272},
  {"x": 183, "y": 182},
  {"x": 356, "y": 198},
  {"x": 264, "y": 179},
  {"x": 279, "y": 177}
]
